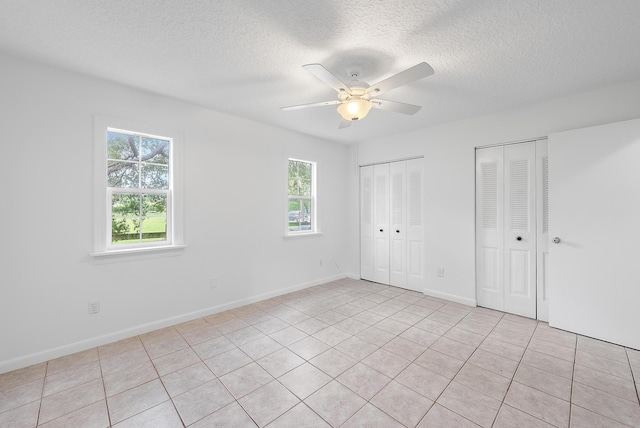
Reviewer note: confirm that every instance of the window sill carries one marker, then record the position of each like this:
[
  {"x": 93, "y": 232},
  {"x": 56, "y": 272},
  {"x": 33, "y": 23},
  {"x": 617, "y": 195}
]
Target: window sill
[
  {"x": 128, "y": 251},
  {"x": 302, "y": 235}
]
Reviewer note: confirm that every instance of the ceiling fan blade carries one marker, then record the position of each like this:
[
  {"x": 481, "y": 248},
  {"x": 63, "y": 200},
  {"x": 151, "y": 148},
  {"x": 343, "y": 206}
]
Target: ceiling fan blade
[
  {"x": 344, "y": 124},
  {"x": 395, "y": 106},
  {"x": 326, "y": 76},
  {"x": 301, "y": 106},
  {"x": 412, "y": 74}
]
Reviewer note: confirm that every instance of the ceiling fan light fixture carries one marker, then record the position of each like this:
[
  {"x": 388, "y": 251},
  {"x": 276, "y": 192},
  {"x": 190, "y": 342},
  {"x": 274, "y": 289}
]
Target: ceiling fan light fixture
[{"x": 354, "y": 109}]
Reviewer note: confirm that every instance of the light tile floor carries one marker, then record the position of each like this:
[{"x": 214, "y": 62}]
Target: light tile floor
[{"x": 348, "y": 353}]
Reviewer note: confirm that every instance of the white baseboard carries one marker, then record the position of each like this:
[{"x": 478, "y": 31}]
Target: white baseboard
[
  {"x": 353, "y": 275},
  {"x": 433, "y": 293},
  {"x": 451, "y": 297},
  {"x": 50, "y": 354}
]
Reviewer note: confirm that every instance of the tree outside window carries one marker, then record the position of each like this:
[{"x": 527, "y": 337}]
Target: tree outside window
[
  {"x": 301, "y": 208},
  {"x": 138, "y": 187}
]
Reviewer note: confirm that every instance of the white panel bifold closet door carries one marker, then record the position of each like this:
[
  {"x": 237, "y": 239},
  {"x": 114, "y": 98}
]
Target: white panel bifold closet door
[
  {"x": 507, "y": 230},
  {"x": 391, "y": 228}
]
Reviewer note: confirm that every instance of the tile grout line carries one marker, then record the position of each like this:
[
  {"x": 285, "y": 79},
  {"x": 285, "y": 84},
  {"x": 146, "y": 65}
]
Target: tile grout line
[
  {"x": 333, "y": 347},
  {"x": 368, "y": 401},
  {"x": 160, "y": 379},
  {"x": 413, "y": 361},
  {"x": 235, "y": 400},
  {"x": 502, "y": 403},
  {"x": 633, "y": 375},
  {"x": 510, "y": 380},
  {"x": 42, "y": 397},
  {"x": 392, "y": 379},
  {"x": 465, "y": 362},
  {"x": 308, "y": 361},
  {"x": 104, "y": 387},
  {"x": 571, "y": 380},
  {"x": 335, "y": 378},
  {"x": 330, "y": 296},
  {"x": 44, "y": 380},
  {"x": 573, "y": 375}
]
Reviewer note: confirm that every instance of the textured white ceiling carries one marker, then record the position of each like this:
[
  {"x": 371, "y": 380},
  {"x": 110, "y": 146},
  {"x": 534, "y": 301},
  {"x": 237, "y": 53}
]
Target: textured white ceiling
[{"x": 244, "y": 57}]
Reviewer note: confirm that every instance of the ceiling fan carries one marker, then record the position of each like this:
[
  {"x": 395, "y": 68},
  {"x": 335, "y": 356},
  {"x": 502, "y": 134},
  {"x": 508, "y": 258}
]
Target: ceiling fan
[{"x": 356, "y": 99}]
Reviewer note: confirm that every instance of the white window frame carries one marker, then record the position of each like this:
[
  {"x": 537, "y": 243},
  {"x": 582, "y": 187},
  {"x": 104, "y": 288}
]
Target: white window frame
[
  {"x": 103, "y": 193},
  {"x": 315, "y": 229}
]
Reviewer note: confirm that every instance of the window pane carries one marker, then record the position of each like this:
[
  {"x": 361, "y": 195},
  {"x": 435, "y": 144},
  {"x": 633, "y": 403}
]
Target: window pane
[
  {"x": 298, "y": 187},
  {"x": 305, "y": 187},
  {"x": 125, "y": 230},
  {"x": 125, "y": 220},
  {"x": 294, "y": 214},
  {"x": 154, "y": 151},
  {"x": 304, "y": 170},
  {"x": 300, "y": 178},
  {"x": 154, "y": 205},
  {"x": 121, "y": 146},
  {"x": 305, "y": 223},
  {"x": 125, "y": 205},
  {"x": 122, "y": 174},
  {"x": 154, "y": 176},
  {"x": 154, "y": 229},
  {"x": 293, "y": 168},
  {"x": 292, "y": 186}
]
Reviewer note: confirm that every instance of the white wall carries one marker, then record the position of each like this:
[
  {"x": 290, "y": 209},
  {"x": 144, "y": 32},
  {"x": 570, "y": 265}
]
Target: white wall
[
  {"x": 235, "y": 184},
  {"x": 47, "y": 276},
  {"x": 450, "y": 173}
]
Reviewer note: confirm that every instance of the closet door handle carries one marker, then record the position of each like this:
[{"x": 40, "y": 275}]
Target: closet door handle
[
  {"x": 518, "y": 238},
  {"x": 397, "y": 231},
  {"x": 381, "y": 230}
]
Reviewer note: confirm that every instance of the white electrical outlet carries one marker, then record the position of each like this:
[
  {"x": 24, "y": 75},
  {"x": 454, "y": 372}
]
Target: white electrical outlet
[
  {"x": 213, "y": 283},
  {"x": 440, "y": 272},
  {"x": 321, "y": 262},
  {"x": 94, "y": 308}
]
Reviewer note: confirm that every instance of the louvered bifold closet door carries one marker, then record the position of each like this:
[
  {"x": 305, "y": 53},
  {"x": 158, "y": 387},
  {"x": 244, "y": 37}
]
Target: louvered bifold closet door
[
  {"x": 381, "y": 223},
  {"x": 398, "y": 230},
  {"x": 520, "y": 230},
  {"x": 542, "y": 210},
  {"x": 489, "y": 227},
  {"x": 415, "y": 226},
  {"x": 366, "y": 223}
]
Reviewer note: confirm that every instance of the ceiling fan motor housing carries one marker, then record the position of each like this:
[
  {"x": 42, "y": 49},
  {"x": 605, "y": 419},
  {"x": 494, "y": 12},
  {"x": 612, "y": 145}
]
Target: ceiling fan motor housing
[{"x": 356, "y": 99}]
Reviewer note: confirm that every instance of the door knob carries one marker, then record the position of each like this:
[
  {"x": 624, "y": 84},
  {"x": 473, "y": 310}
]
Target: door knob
[
  {"x": 397, "y": 231},
  {"x": 381, "y": 230},
  {"x": 518, "y": 238},
  {"x": 556, "y": 240}
]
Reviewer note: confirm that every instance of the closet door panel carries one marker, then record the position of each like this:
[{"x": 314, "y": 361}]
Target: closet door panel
[
  {"x": 381, "y": 223},
  {"x": 366, "y": 223},
  {"x": 489, "y": 227},
  {"x": 415, "y": 225},
  {"x": 542, "y": 219},
  {"x": 398, "y": 229},
  {"x": 520, "y": 229}
]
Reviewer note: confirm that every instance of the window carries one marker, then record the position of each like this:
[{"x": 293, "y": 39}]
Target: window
[
  {"x": 137, "y": 185},
  {"x": 301, "y": 212},
  {"x": 138, "y": 188}
]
